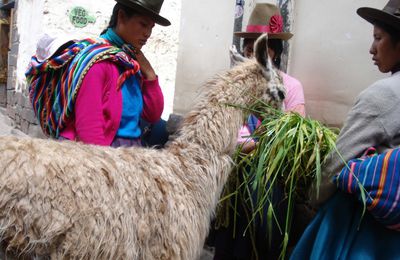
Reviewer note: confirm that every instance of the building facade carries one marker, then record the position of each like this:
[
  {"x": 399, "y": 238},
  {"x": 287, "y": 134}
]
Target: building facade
[{"x": 328, "y": 53}]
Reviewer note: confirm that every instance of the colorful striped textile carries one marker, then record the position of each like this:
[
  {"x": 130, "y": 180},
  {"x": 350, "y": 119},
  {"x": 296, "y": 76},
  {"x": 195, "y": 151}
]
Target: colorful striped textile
[
  {"x": 379, "y": 176},
  {"x": 55, "y": 82}
]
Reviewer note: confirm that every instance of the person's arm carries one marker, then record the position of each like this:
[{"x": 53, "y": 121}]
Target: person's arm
[
  {"x": 294, "y": 100},
  {"x": 244, "y": 139},
  {"x": 89, "y": 119},
  {"x": 300, "y": 108},
  {"x": 153, "y": 101},
  {"x": 249, "y": 146},
  {"x": 145, "y": 66},
  {"x": 362, "y": 129}
]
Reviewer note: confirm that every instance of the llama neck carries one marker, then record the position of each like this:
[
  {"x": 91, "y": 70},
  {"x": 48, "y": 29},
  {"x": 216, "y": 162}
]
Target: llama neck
[{"x": 215, "y": 122}]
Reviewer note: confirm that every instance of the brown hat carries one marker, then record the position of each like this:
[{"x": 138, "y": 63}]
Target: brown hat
[
  {"x": 265, "y": 18},
  {"x": 148, "y": 7},
  {"x": 389, "y": 15}
]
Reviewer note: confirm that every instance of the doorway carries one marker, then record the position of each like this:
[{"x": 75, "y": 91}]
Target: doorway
[{"x": 6, "y": 17}]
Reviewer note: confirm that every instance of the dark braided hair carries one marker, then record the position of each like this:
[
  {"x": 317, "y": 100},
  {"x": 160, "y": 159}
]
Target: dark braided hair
[
  {"x": 394, "y": 37},
  {"x": 129, "y": 12},
  {"x": 392, "y": 31},
  {"x": 275, "y": 44}
]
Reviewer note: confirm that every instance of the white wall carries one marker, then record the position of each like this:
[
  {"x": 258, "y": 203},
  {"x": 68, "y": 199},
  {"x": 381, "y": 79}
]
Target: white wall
[
  {"x": 205, "y": 36},
  {"x": 330, "y": 55},
  {"x": 29, "y": 23},
  {"x": 52, "y": 16}
]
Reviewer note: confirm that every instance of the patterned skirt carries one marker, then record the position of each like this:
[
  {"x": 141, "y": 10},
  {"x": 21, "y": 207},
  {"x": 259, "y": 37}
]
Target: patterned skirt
[
  {"x": 125, "y": 142},
  {"x": 118, "y": 142}
]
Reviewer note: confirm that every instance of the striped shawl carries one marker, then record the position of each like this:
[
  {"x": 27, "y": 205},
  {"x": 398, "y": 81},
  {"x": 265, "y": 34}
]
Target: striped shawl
[{"x": 55, "y": 82}]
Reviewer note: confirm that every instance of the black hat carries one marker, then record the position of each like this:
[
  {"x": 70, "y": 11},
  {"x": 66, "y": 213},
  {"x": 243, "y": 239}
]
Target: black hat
[
  {"x": 389, "y": 15},
  {"x": 148, "y": 7}
]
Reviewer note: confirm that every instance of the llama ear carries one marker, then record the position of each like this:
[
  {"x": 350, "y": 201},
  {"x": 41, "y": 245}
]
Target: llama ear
[
  {"x": 261, "y": 53},
  {"x": 235, "y": 56}
]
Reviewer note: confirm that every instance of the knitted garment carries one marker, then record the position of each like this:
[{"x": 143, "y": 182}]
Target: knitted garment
[
  {"x": 378, "y": 176},
  {"x": 55, "y": 82}
]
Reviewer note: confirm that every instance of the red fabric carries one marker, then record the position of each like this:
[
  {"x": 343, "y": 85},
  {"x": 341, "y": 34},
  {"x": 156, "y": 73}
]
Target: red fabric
[
  {"x": 98, "y": 106},
  {"x": 275, "y": 26}
]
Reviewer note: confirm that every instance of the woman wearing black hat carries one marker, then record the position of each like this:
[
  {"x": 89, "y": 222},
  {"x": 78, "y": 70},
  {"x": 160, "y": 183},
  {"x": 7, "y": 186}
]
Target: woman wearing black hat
[
  {"x": 131, "y": 25},
  {"x": 106, "y": 86},
  {"x": 341, "y": 230}
]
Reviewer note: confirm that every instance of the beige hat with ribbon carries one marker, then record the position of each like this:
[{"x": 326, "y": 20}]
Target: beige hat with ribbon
[{"x": 265, "y": 18}]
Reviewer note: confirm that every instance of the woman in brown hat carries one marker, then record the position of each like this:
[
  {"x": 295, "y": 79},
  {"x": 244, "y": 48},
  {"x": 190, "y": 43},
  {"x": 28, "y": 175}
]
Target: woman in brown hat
[
  {"x": 237, "y": 241},
  {"x": 105, "y": 86},
  {"x": 266, "y": 18},
  {"x": 341, "y": 230}
]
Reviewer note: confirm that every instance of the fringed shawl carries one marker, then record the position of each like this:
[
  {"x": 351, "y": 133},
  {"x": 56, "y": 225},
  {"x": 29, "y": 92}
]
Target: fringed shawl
[{"x": 55, "y": 82}]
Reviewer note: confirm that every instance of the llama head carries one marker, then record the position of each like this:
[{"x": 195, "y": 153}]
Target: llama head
[
  {"x": 273, "y": 92},
  {"x": 262, "y": 81}
]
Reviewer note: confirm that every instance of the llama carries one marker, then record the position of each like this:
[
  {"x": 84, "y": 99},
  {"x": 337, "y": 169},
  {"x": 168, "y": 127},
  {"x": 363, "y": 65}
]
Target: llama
[{"x": 71, "y": 200}]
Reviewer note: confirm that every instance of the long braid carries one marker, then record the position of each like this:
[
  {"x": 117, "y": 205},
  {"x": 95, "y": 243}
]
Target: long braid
[
  {"x": 129, "y": 12},
  {"x": 113, "y": 19},
  {"x": 277, "y": 46}
]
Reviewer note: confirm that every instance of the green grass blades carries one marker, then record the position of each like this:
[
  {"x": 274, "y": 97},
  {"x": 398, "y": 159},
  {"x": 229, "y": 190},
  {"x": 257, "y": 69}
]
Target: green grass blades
[{"x": 289, "y": 153}]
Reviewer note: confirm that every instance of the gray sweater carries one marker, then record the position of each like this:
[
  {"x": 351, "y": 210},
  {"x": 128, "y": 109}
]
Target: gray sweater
[{"x": 374, "y": 120}]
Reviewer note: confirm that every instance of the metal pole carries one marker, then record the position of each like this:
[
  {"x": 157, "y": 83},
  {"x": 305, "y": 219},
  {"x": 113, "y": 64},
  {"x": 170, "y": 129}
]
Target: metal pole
[
  {"x": 239, "y": 8},
  {"x": 238, "y": 23},
  {"x": 286, "y": 7}
]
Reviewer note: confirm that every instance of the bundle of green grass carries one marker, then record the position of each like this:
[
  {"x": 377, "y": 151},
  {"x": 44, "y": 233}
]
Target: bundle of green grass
[{"x": 289, "y": 152}]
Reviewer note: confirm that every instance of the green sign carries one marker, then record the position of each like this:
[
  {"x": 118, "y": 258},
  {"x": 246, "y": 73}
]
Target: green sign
[{"x": 80, "y": 17}]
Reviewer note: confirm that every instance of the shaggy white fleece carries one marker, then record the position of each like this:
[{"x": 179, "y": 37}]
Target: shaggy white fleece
[{"x": 76, "y": 201}]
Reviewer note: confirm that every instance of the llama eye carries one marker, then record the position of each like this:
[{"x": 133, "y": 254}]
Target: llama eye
[{"x": 281, "y": 95}]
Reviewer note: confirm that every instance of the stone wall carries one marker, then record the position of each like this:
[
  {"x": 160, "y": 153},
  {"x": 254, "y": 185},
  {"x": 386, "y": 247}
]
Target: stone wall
[
  {"x": 3, "y": 95},
  {"x": 4, "y": 44},
  {"x": 19, "y": 108}
]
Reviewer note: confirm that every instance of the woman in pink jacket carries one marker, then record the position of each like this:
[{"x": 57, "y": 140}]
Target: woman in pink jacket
[
  {"x": 100, "y": 89},
  {"x": 105, "y": 115}
]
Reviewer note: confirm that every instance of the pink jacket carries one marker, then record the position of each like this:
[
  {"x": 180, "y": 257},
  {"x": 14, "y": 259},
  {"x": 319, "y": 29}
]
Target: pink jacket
[{"x": 98, "y": 106}]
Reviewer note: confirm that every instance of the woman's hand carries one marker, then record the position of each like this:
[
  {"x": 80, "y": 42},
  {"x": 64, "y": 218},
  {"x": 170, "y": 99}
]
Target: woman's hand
[
  {"x": 301, "y": 109},
  {"x": 145, "y": 66},
  {"x": 248, "y": 147}
]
